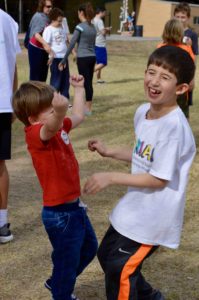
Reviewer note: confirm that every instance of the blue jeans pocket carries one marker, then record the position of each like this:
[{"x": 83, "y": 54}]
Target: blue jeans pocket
[{"x": 55, "y": 222}]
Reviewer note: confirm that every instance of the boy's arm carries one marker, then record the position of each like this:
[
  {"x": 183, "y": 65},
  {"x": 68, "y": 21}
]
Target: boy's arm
[
  {"x": 55, "y": 120},
  {"x": 77, "y": 115},
  {"x": 119, "y": 153},
  {"x": 99, "y": 181}
]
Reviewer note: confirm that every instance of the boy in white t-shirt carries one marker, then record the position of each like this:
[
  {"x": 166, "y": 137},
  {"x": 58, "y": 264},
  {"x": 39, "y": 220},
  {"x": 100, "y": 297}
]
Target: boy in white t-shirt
[
  {"x": 57, "y": 36},
  {"x": 150, "y": 214}
]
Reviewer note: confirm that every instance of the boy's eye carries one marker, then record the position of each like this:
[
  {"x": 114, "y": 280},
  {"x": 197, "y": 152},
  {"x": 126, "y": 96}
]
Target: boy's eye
[{"x": 165, "y": 77}]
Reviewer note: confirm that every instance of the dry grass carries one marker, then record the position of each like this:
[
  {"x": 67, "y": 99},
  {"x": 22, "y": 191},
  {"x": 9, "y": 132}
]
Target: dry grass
[{"x": 25, "y": 263}]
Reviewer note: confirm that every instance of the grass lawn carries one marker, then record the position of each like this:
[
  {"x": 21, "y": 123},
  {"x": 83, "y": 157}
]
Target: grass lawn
[{"x": 25, "y": 263}]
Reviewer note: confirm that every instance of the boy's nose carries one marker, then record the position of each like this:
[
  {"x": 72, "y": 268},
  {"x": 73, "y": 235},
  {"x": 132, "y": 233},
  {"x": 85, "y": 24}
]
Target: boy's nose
[{"x": 155, "y": 81}]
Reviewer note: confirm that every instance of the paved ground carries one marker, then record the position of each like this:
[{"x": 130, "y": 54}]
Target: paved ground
[{"x": 113, "y": 37}]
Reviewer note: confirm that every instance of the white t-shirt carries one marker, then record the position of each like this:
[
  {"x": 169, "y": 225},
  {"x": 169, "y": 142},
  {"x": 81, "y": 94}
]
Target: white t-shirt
[
  {"x": 100, "y": 38},
  {"x": 56, "y": 37},
  {"x": 9, "y": 47},
  {"x": 164, "y": 148}
]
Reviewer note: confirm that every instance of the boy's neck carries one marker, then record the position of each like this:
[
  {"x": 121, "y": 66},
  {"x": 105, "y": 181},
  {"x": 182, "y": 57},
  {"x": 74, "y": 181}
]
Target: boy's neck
[
  {"x": 54, "y": 25},
  {"x": 158, "y": 111}
]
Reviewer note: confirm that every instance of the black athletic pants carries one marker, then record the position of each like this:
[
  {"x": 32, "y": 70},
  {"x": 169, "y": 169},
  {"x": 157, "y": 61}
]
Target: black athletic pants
[
  {"x": 121, "y": 260},
  {"x": 86, "y": 68}
]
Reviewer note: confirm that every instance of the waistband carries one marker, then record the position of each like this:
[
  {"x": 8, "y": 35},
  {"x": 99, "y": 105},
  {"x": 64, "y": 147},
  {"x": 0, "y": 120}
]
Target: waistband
[{"x": 67, "y": 206}]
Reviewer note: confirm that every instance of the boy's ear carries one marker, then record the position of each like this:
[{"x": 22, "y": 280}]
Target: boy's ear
[
  {"x": 32, "y": 120},
  {"x": 182, "y": 88}
]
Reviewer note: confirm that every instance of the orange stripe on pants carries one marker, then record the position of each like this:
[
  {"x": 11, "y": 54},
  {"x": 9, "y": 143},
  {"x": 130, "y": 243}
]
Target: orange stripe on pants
[{"x": 129, "y": 268}]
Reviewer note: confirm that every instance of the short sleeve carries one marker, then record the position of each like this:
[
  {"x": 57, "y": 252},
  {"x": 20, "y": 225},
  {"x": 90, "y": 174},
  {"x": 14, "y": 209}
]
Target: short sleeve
[
  {"x": 165, "y": 158},
  {"x": 47, "y": 35},
  {"x": 67, "y": 124},
  {"x": 100, "y": 25}
]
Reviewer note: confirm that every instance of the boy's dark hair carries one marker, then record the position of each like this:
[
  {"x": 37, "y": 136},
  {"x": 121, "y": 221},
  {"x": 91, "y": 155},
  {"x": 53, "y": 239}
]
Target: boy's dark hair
[
  {"x": 55, "y": 13},
  {"x": 88, "y": 11},
  {"x": 99, "y": 10},
  {"x": 30, "y": 99},
  {"x": 176, "y": 61},
  {"x": 184, "y": 8}
]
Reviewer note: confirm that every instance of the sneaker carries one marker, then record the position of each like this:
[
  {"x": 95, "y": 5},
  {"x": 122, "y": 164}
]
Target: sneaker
[
  {"x": 47, "y": 284},
  {"x": 101, "y": 81},
  {"x": 5, "y": 234}
]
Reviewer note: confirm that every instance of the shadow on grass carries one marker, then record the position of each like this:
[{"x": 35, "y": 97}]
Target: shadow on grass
[{"x": 126, "y": 80}]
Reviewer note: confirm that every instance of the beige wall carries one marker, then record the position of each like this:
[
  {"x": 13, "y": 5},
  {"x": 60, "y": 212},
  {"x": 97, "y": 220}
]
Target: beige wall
[{"x": 153, "y": 15}]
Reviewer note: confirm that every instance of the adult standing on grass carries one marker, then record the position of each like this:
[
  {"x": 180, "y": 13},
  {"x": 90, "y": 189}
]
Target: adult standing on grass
[
  {"x": 9, "y": 47},
  {"x": 100, "y": 43},
  {"x": 84, "y": 35},
  {"x": 151, "y": 213},
  {"x": 38, "y": 49}
]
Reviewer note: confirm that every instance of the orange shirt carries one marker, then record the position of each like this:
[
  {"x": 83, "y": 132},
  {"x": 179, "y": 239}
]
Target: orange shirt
[{"x": 180, "y": 45}]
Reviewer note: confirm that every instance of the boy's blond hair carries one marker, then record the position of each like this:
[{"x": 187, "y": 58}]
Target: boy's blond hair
[
  {"x": 31, "y": 99},
  {"x": 173, "y": 32}
]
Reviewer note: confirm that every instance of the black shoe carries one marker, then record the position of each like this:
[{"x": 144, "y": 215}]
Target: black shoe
[{"x": 5, "y": 234}]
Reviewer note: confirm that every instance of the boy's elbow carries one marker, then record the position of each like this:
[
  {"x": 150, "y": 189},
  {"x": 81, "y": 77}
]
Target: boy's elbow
[{"x": 161, "y": 183}]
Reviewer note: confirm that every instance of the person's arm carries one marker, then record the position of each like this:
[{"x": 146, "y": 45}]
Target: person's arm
[
  {"x": 55, "y": 120},
  {"x": 73, "y": 41},
  {"x": 99, "y": 181},
  {"x": 45, "y": 45},
  {"x": 15, "y": 86},
  {"x": 119, "y": 153},
  {"x": 77, "y": 114}
]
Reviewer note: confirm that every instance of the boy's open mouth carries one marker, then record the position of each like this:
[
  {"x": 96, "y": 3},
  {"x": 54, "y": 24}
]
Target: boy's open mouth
[{"x": 154, "y": 91}]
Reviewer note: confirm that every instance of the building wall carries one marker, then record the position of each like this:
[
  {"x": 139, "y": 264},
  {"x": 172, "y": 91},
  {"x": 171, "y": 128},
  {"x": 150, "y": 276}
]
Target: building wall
[{"x": 153, "y": 15}]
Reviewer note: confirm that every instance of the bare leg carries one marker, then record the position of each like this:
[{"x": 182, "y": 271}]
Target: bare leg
[{"x": 4, "y": 185}]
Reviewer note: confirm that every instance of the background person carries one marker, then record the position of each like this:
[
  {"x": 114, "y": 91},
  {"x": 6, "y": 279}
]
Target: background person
[
  {"x": 38, "y": 49},
  {"x": 9, "y": 47},
  {"x": 182, "y": 12},
  {"x": 173, "y": 35},
  {"x": 47, "y": 129},
  {"x": 151, "y": 213},
  {"x": 100, "y": 42},
  {"x": 57, "y": 37},
  {"x": 84, "y": 35}
]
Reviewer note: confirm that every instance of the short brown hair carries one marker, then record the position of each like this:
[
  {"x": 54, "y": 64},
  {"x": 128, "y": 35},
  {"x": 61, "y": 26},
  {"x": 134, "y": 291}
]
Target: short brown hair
[
  {"x": 173, "y": 32},
  {"x": 41, "y": 5},
  {"x": 30, "y": 99},
  {"x": 55, "y": 13},
  {"x": 175, "y": 60},
  {"x": 184, "y": 8}
]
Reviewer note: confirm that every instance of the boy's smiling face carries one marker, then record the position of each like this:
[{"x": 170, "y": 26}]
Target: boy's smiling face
[
  {"x": 182, "y": 17},
  {"x": 161, "y": 86}
]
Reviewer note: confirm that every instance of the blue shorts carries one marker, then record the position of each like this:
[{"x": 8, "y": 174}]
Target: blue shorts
[{"x": 101, "y": 55}]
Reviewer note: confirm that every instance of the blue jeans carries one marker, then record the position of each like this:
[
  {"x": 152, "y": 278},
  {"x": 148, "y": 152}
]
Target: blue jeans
[
  {"x": 60, "y": 79},
  {"x": 74, "y": 245}
]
